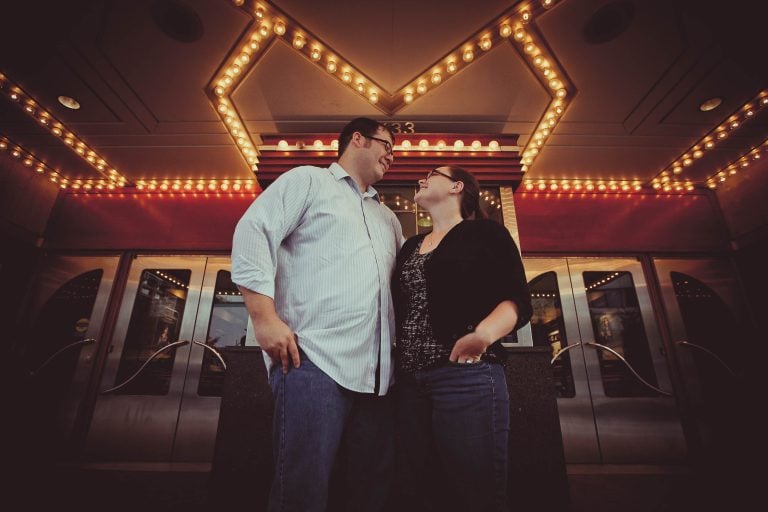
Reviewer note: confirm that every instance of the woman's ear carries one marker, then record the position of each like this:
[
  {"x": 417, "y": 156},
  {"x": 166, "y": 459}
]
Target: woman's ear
[{"x": 458, "y": 187}]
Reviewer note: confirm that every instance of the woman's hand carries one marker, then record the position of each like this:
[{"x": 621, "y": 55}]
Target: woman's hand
[
  {"x": 469, "y": 348},
  {"x": 499, "y": 322}
]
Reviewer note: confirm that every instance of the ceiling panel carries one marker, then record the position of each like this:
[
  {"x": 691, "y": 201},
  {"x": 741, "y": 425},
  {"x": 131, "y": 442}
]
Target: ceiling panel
[
  {"x": 497, "y": 89},
  {"x": 393, "y": 41},
  {"x": 167, "y": 75},
  {"x": 612, "y": 77},
  {"x": 33, "y": 138},
  {"x": 285, "y": 87}
]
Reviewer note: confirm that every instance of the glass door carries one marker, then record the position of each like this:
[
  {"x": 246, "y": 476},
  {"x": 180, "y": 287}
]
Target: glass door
[
  {"x": 162, "y": 383},
  {"x": 222, "y": 321},
  {"x": 136, "y": 414},
  {"x": 614, "y": 392},
  {"x": 709, "y": 332},
  {"x": 64, "y": 319}
]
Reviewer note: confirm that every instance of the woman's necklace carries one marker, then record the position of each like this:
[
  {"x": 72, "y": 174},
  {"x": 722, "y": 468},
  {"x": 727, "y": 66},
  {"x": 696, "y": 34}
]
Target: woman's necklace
[{"x": 430, "y": 240}]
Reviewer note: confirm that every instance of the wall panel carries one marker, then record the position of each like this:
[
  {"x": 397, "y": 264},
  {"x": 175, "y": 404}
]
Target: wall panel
[{"x": 576, "y": 223}]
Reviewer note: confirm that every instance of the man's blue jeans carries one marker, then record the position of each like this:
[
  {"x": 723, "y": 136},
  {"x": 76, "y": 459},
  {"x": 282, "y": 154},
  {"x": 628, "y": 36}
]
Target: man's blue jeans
[
  {"x": 461, "y": 412},
  {"x": 321, "y": 428}
]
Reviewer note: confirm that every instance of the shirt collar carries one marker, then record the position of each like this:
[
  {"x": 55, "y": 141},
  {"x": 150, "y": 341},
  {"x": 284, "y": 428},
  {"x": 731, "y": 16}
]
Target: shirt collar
[{"x": 339, "y": 173}]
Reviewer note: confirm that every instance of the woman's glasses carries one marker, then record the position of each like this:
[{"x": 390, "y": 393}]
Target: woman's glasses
[{"x": 435, "y": 171}]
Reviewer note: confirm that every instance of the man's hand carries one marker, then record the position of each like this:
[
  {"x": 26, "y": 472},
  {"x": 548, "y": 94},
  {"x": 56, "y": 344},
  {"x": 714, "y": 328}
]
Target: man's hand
[
  {"x": 279, "y": 341},
  {"x": 273, "y": 335}
]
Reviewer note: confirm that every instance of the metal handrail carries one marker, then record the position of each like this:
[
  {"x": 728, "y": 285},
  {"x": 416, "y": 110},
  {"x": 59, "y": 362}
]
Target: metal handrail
[
  {"x": 637, "y": 375},
  {"x": 59, "y": 352},
  {"x": 158, "y": 351},
  {"x": 711, "y": 354},
  {"x": 215, "y": 352},
  {"x": 563, "y": 351}
]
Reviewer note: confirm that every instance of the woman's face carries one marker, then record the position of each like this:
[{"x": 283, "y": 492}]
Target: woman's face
[{"x": 436, "y": 186}]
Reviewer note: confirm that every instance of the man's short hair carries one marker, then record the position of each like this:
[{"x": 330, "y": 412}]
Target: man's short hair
[{"x": 365, "y": 126}]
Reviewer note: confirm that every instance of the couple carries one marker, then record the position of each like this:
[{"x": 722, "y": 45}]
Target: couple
[{"x": 318, "y": 259}]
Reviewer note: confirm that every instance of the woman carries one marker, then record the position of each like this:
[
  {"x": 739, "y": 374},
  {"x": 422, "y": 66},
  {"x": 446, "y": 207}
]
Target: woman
[{"x": 457, "y": 291}]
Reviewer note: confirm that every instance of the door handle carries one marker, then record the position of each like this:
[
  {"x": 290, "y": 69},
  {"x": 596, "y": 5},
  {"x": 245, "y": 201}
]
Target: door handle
[
  {"x": 637, "y": 375},
  {"x": 59, "y": 352},
  {"x": 162, "y": 349},
  {"x": 215, "y": 352},
  {"x": 714, "y": 356},
  {"x": 563, "y": 351}
]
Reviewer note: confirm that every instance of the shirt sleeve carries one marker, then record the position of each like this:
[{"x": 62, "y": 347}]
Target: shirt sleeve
[
  {"x": 398, "y": 231},
  {"x": 270, "y": 219},
  {"x": 508, "y": 267}
]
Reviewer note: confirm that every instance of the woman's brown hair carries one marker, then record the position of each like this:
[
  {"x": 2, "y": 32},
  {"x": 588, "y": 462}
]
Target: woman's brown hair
[{"x": 470, "y": 196}]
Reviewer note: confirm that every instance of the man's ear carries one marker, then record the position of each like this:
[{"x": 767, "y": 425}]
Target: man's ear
[{"x": 358, "y": 139}]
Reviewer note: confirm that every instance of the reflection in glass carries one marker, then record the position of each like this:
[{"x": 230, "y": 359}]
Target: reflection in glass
[
  {"x": 618, "y": 324},
  {"x": 548, "y": 329},
  {"x": 155, "y": 322},
  {"x": 510, "y": 338},
  {"x": 415, "y": 220},
  {"x": 34, "y": 403},
  {"x": 399, "y": 199},
  {"x": 226, "y": 328},
  {"x": 723, "y": 406},
  {"x": 709, "y": 323},
  {"x": 63, "y": 320}
]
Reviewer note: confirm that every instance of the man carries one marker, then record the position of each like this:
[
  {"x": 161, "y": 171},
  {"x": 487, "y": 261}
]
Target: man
[{"x": 313, "y": 256}]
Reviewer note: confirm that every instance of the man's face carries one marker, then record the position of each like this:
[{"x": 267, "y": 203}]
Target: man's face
[{"x": 381, "y": 153}]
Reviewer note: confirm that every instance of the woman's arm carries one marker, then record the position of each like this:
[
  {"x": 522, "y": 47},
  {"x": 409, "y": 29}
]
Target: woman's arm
[
  {"x": 508, "y": 272},
  {"x": 500, "y": 322}
]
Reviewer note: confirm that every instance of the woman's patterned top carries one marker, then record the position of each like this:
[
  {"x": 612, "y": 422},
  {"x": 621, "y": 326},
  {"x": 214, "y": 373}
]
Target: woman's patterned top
[{"x": 417, "y": 348}]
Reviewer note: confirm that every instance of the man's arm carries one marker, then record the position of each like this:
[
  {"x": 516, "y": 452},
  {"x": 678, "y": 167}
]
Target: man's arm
[
  {"x": 273, "y": 335},
  {"x": 258, "y": 235}
]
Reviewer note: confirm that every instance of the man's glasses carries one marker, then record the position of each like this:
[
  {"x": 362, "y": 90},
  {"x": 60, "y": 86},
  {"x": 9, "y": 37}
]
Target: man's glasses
[
  {"x": 387, "y": 144},
  {"x": 435, "y": 171}
]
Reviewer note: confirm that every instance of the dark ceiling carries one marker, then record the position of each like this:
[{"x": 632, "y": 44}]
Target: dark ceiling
[{"x": 143, "y": 72}]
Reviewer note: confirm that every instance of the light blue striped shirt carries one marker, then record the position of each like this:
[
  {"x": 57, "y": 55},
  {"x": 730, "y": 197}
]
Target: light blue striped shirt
[{"x": 325, "y": 253}]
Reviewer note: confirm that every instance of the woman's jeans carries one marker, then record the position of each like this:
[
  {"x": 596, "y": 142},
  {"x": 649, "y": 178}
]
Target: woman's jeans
[
  {"x": 322, "y": 430},
  {"x": 458, "y": 415}
]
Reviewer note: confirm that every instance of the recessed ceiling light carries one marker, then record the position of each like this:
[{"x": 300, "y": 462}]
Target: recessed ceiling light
[
  {"x": 69, "y": 102},
  {"x": 609, "y": 22},
  {"x": 177, "y": 20},
  {"x": 710, "y": 104}
]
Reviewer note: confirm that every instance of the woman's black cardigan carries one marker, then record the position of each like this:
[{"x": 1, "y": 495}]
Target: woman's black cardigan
[{"x": 474, "y": 268}]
